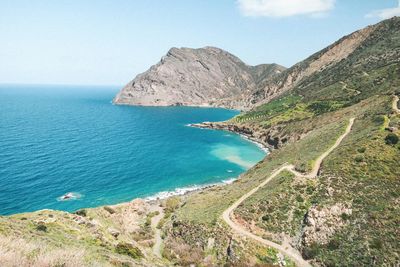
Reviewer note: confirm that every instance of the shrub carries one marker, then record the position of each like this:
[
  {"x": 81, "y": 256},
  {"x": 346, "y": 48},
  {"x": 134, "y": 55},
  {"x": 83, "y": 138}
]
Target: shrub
[
  {"x": 147, "y": 223},
  {"x": 310, "y": 189},
  {"x": 310, "y": 252},
  {"x": 333, "y": 244},
  {"x": 376, "y": 243},
  {"x": 299, "y": 198},
  {"x": 391, "y": 139},
  {"x": 109, "y": 209},
  {"x": 359, "y": 158},
  {"x": 172, "y": 203},
  {"x": 161, "y": 223},
  {"x": 128, "y": 249},
  {"x": 361, "y": 150},
  {"x": 265, "y": 218},
  {"x": 319, "y": 107},
  {"x": 301, "y": 166},
  {"x": 81, "y": 212},
  {"x": 41, "y": 227},
  {"x": 345, "y": 216}
]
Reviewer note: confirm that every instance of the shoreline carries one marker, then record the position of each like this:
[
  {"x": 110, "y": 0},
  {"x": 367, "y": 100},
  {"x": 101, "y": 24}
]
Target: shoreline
[
  {"x": 212, "y": 126},
  {"x": 191, "y": 189},
  {"x": 185, "y": 190},
  {"x": 174, "y": 106}
]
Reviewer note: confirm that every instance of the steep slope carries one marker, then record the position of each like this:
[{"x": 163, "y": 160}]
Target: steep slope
[
  {"x": 365, "y": 49},
  {"x": 349, "y": 214},
  {"x": 194, "y": 77},
  {"x": 321, "y": 61}
]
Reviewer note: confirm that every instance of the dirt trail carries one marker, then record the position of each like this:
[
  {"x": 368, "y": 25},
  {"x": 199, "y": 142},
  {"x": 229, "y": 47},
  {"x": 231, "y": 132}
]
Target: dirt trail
[
  {"x": 157, "y": 232},
  {"x": 286, "y": 250}
]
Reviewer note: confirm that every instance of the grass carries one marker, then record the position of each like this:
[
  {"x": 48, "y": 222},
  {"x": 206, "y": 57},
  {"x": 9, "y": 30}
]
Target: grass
[
  {"x": 89, "y": 235},
  {"x": 207, "y": 206},
  {"x": 16, "y": 251},
  {"x": 280, "y": 206},
  {"x": 362, "y": 172},
  {"x": 269, "y": 110},
  {"x": 372, "y": 187}
]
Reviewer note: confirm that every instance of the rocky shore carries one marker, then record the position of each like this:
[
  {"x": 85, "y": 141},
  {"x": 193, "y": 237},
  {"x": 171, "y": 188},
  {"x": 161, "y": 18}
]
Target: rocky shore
[{"x": 243, "y": 131}]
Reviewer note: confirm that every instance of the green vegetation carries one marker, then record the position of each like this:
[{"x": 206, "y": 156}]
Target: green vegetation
[
  {"x": 320, "y": 107},
  {"x": 81, "y": 212},
  {"x": 391, "y": 139},
  {"x": 85, "y": 240},
  {"x": 41, "y": 227},
  {"x": 207, "y": 206},
  {"x": 362, "y": 165},
  {"x": 172, "y": 204},
  {"x": 270, "y": 109},
  {"x": 129, "y": 249}
]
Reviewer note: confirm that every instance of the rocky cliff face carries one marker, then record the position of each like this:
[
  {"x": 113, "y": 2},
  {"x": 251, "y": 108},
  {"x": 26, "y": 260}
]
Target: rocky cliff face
[{"x": 195, "y": 77}]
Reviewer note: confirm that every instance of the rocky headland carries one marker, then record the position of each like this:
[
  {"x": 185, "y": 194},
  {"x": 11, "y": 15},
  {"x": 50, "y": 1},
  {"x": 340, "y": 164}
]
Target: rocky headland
[{"x": 206, "y": 76}]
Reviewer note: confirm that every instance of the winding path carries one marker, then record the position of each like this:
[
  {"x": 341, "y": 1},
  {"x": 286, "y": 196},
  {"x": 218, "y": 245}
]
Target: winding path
[
  {"x": 157, "y": 232},
  {"x": 288, "y": 251}
]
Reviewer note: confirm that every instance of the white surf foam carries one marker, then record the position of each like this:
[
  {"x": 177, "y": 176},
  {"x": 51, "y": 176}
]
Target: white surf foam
[{"x": 180, "y": 191}]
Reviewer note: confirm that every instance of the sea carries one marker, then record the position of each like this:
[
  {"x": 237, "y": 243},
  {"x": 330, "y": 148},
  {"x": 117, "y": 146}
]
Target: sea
[{"x": 68, "y": 147}]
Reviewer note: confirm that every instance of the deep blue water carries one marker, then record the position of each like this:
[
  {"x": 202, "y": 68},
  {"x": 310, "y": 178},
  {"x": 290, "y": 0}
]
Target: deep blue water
[{"x": 59, "y": 139}]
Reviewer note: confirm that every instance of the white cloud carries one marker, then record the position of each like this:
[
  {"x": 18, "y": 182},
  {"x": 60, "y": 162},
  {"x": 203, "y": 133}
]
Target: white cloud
[
  {"x": 385, "y": 13},
  {"x": 285, "y": 8}
]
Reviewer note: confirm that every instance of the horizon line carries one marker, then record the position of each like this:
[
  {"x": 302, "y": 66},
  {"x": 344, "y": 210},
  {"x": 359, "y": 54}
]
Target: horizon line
[{"x": 60, "y": 84}]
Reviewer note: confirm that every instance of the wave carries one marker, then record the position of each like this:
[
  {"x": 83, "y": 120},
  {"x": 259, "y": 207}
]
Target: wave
[{"x": 180, "y": 191}]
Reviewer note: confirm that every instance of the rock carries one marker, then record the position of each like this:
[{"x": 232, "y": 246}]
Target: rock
[
  {"x": 321, "y": 223},
  {"x": 138, "y": 205},
  {"x": 114, "y": 232},
  {"x": 210, "y": 243}
]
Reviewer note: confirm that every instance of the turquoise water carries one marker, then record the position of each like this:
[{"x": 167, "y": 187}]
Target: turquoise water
[{"x": 59, "y": 139}]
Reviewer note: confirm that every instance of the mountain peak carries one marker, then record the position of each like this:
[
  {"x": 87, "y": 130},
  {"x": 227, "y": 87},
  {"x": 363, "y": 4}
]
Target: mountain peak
[{"x": 205, "y": 76}]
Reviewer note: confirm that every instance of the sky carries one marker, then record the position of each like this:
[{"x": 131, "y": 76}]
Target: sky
[{"x": 109, "y": 42}]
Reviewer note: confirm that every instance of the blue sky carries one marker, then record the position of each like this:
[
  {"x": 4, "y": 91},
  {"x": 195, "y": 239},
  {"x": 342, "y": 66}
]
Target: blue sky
[{"x": 109, "y": 42}]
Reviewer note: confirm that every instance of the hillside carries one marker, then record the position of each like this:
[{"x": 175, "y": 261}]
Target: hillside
[
  {"x": 195, "y": 77},
  {"x": 348, "y": 214},
  {"x": 345, "y": 214}
]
